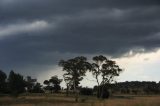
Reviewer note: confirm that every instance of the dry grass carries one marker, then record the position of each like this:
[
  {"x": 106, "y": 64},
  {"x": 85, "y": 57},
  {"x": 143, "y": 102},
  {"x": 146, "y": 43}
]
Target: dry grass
[
  {"x": 136, "y": 101},
  {"x": 90, "y": 101}
]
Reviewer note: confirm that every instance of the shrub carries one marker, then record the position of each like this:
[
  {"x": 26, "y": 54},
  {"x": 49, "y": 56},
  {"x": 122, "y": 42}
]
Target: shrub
[{"x": 86, "y": 91}]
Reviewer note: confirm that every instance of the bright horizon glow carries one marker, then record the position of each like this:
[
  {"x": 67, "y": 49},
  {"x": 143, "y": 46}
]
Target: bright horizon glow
[{"x": 139, "y": 67}]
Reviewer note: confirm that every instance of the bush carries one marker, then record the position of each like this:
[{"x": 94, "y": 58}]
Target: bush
[
  {"x": 86, "y": 91},
  {"x": 105, "y": 94}
]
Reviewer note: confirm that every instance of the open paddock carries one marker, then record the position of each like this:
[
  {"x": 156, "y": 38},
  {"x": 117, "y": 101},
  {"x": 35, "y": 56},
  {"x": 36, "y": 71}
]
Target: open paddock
[{"x": 61, "y": 100}]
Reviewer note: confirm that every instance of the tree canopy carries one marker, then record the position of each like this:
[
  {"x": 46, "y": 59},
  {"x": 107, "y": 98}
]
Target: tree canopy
[{"x": 75, "y": 70}]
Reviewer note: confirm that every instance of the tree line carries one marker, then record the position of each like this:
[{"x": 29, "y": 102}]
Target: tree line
[
  {"x": 16, "y": 84},
  {"x": 103, "y": 70},
  {"x": 136, "y": 87}
]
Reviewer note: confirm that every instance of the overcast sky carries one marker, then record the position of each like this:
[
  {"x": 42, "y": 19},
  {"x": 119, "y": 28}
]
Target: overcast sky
[{"x": 36, "y": 34}]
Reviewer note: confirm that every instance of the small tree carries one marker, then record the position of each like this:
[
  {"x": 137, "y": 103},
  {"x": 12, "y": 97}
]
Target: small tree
[
  {"x": 48, "y": 87},
  {"x": 53, "y": 84},
  {"x": 46, "y": 82},
  {"x": 37, "y": 88},
  {"x": 56, "y": 83},
  {"x": 75, "y": 70},
  {"x": 30, "y": 83},
  {"x": 105, "y": 68}
]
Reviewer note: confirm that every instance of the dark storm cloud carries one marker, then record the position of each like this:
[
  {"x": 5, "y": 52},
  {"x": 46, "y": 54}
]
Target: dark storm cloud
[
  {"x": 36, "y": 34},
  {"x": 38, "y": 9}
]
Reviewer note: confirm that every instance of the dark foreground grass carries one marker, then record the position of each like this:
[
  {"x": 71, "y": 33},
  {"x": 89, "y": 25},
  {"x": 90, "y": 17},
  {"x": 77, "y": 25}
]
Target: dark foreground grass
[{"x": 56, "y": 100}]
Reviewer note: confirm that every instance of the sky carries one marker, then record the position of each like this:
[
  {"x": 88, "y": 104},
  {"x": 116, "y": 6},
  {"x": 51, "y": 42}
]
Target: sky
[{"x": 36, "y": 34}]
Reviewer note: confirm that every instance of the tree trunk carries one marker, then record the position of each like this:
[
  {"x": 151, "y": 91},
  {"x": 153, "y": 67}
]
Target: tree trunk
[
  {"x": 76, "y": 99},
  {"x": 75, "y": 91},
  {"x": 98, "y": 88},
  {"x": 102, "y": 89},
  {"x": 67, "y": 91}
]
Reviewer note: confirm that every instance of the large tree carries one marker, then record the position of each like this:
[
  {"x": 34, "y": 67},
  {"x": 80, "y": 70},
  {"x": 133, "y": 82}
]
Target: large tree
[
  {"x": 75, "y": 70},
  {"x": 104, "y": 70}
]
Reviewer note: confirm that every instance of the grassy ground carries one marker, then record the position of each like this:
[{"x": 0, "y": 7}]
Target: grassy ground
[{"x": 61, "y": 100}]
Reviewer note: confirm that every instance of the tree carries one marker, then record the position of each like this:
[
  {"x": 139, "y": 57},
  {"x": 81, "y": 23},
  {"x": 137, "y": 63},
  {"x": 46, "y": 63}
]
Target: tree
[
  {"x": 30, "y": 83},
  {"x": 16, "y": 83},
  {"x": 97, "y": 69},
  {"x": 37, "y": 88},
  {"x": 75, "y": 70},
  {"x": 106, "y": 70},
  {"x": 56, "y": 83},
  {"x": 47, "y": 87},
  {"x": 46, "y": 82},
  {"x": 53, "y": 84},
  {"x": 3, "y": 77}
]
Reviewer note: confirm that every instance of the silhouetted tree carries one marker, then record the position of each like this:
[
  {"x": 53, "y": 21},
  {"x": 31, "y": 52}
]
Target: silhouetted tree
[
  {"x": 56, "y": 83},
  {"x": 46, "y": 82},
  {"x": 105, "y": 68},
  {"x": 16, "y": 83},
  {"x": 37, "y": 88},
  {"x": 30, "y": 83},
  {"x": 53, "y": 84},
  {"x": 75, "y": 70},
  {"x": 3, "y": 77},
  {"x": 97, "y": 69}
]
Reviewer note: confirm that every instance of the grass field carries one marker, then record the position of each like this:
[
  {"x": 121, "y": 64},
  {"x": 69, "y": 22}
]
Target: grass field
[{"x": 60, "y": 100}]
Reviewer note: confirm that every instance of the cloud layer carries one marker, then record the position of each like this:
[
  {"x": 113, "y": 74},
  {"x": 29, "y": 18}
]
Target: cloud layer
[{"x": 36, "y": 34}]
